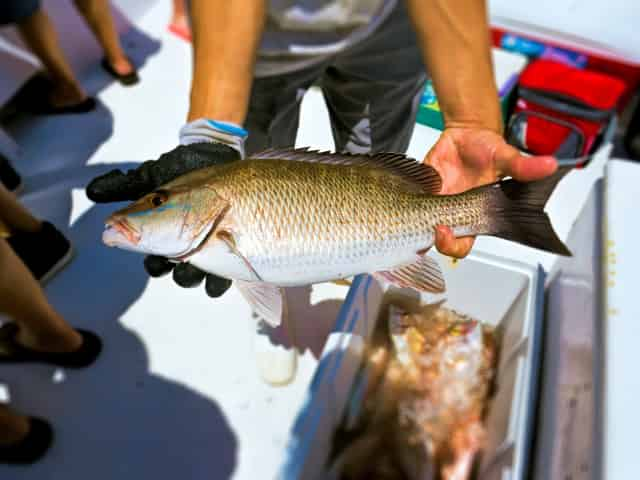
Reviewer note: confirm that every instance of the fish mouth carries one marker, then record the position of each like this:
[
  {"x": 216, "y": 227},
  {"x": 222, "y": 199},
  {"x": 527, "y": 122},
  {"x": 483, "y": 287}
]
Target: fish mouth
[{"x": 118, "y": 229}]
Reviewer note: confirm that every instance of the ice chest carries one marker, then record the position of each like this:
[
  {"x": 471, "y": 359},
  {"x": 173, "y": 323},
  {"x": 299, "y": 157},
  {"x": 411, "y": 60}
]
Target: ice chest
[{"x": 490, "y": 289}]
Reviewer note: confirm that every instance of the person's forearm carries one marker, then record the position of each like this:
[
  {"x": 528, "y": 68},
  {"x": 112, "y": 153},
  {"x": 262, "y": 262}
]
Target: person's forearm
[
  {"x": 454, "y": 38},
  {"x": 226, "y": 36}
]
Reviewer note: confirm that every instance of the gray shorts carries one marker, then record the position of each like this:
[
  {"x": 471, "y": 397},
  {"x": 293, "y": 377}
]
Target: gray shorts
[{"x": 372, "y": 91}]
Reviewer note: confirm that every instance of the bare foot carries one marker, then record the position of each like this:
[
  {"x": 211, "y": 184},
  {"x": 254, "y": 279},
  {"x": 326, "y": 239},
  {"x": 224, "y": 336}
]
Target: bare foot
[
  {"x": 180, "y": 21},
  {"x": 64, "y": 340},
  {"x": 121, "y": 65},
  {"x": 13, "y": 427},
  {"x": 179, "y": 25}
]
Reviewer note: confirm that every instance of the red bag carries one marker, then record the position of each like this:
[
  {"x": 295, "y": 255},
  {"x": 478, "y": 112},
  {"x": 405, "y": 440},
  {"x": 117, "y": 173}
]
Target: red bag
[{"x": 569, "y": 103}]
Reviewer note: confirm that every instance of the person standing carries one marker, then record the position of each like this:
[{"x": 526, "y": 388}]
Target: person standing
[
  {"x": 59, "y": 92},
  {"x": 255, "y": 59}
]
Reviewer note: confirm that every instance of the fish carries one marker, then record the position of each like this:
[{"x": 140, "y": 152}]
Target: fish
[
  {"x": 424, "y": 405},
  {"x": 448, "y": 361},
  {"x": 293, "y": 217}
]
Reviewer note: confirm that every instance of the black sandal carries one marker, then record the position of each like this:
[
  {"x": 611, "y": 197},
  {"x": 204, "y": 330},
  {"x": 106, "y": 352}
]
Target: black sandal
[
  {"x": 85, "y": 106},
  {"x": 128, "y": 79},
  {"x": 32, "y": 447},
  {"x": 12, "y": 352},
  {"x": 33, "y": 98}
]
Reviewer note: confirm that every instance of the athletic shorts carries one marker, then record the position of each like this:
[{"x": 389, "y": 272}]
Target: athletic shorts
[
  {"x": 372, "y": 90},
  {"x": 16, "y": 11}
]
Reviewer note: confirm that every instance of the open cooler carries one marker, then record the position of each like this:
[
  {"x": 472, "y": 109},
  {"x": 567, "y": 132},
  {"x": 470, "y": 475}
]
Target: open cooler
[
  {"x": 492, "y": 290},
  {"x": 601, "y": 35}
]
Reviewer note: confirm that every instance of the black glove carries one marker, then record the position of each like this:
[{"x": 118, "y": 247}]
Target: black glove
[{"x": 116, "y": 186}]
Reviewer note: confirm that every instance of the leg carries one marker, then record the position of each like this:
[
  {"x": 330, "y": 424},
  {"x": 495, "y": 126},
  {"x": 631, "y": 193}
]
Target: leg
[
  {"x": 38, "y": 33},
  {"x": 21, "y": 296},
  {"x": 26, "y": 235},
  {"x": 14, "y": 216},
  {"x": 100, "y": 20},
  {"x": 274, "y": 109},
  {"x": 179, "y": 23},
  {"x": 22, "y": 299},
  {"x": 373, "y": 106},
  {"x": 180, "y": 10}
]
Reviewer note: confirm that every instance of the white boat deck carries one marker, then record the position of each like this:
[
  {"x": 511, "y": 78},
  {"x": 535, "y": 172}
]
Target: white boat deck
[{"x": 176, "y": 392}]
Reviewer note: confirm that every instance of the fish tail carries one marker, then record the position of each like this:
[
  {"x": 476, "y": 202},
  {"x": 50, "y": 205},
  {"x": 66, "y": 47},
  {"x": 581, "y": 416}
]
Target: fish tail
[{"x": 516, "y": 212}]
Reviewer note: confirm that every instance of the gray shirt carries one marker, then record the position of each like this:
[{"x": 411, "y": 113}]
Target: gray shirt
[{"x": 301, "y": 32}]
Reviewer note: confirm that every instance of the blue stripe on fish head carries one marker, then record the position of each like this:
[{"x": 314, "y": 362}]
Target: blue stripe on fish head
[{"x": 167, "y": 206}]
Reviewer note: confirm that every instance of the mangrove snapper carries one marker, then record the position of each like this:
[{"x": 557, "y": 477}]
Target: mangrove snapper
[{"x": 296, "y": 217}]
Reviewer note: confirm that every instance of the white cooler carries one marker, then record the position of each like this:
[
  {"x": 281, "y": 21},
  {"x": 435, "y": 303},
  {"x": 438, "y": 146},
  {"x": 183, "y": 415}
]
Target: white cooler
[{"x": 492, "y": 290}]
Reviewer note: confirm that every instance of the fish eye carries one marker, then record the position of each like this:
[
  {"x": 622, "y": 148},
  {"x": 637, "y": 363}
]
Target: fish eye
[{"x": 158, "y": 198}]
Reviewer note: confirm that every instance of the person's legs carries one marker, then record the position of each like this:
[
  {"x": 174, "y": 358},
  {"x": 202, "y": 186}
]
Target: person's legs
[
  {"x": 14, "y": 216},
  {"x": 21, "y": 296},
  {"x": 22, "y": 299},
  {"x": 38, "y": 33},
  {"x": 179, "y": 10},
  {"x": 274, "y": 109},
  {"x": 26, "y": 235},
  {"x": 97, "y": 13},
  {"x": 179, "y": 23},
  {"x": 373, "y": 89}
]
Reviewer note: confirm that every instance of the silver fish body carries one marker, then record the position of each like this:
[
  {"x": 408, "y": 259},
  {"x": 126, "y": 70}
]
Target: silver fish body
[
  {"x": 293, "y": 217},
  {"x": 353, "y": 222}
]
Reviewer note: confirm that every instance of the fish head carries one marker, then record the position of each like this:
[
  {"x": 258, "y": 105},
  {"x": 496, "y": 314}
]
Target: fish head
[{"x": 170, "y": 222}]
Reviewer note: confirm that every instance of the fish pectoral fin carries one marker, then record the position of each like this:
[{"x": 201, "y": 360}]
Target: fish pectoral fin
[
  {"x": 423, "y": 275},
  {"x": 227, "y": 237},
  {"x": 266, "y": 300}
]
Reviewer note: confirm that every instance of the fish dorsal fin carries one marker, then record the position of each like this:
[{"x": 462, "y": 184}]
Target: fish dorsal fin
[
  {"x": 407, "y": 168},
  {"x": 423, "y": 275}
]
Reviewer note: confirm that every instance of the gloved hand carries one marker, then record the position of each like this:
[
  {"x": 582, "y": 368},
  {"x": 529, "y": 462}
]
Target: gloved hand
[{"x": 203, "y": 143}]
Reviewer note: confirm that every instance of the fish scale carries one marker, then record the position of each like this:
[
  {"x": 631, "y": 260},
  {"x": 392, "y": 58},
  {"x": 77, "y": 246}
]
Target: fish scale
[{"x": 319, "y": 211}]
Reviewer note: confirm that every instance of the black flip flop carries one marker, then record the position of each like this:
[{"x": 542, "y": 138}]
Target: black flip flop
[
  {"x": 127, "y": 79},
  {"x": 33, "y": 98},
  {"x": 32, "y": 447},
  {"x": 12, "y": 352},
  {"x": 85, "y": 106}
]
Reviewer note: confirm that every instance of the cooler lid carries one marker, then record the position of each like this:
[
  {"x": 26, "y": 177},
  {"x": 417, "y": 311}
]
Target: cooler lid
[{"x": 605, "y": 28}]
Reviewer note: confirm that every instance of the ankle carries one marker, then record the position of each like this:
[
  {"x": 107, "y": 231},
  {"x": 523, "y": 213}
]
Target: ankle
[
  {"x": 66, "y": 93},
  {"x": 54, "y": 340}
]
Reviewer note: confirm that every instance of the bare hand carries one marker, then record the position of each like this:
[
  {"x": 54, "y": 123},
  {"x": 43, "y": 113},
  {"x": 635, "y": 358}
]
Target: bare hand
[{"x": 469, "y": 157}]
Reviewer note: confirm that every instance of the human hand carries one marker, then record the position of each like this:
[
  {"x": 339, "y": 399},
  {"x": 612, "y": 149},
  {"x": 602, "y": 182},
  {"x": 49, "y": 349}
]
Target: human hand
[
  {"x": 201, "y": 147},
  {"x": 468, "y": 157}
]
